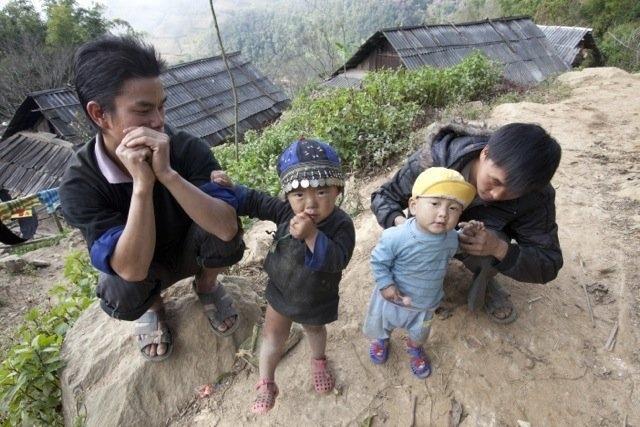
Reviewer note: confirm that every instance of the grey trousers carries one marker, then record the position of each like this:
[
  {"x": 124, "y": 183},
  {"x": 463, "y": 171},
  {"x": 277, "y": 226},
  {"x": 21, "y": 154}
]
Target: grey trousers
[
  {"x": 483, "y": 271},
  {"x": 125, "y": 300}
]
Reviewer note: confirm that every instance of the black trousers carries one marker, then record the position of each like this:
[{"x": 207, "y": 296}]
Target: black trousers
[{"x": 125, "y": 300}]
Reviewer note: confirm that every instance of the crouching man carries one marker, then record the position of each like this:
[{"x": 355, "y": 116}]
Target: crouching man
[{"x": 141, "y": 196}]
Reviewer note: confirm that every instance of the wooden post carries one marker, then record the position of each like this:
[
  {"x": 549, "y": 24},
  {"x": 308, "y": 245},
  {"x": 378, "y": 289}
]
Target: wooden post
[{"x": 55, "y": 218}]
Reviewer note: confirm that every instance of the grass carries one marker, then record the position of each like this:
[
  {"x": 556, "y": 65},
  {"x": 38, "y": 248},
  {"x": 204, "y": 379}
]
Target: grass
[
  {"x": 32, "y": 246},
  {"x": 548, "y": 92}
]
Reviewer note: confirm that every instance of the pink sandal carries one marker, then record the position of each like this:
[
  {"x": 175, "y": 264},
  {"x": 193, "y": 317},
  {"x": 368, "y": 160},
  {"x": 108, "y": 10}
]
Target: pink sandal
[
  {"x": 266, "y": 398},
  {"x": 323, "y": 380}
]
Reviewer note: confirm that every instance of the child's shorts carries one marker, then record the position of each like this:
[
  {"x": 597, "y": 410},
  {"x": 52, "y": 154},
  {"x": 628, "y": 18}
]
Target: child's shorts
[{"x": 384, "y": 316}]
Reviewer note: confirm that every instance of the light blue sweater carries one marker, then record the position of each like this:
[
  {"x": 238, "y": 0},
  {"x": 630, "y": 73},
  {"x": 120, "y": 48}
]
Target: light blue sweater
[{"x": 415, "y": 261}]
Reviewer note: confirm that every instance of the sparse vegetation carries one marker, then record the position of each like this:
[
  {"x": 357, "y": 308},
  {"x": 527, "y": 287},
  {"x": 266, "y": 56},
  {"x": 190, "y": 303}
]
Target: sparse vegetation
[
  {"x": 547, "y": 92},
  {"x": 28, "y": 246},
  {"x": 29, "y": 384}
]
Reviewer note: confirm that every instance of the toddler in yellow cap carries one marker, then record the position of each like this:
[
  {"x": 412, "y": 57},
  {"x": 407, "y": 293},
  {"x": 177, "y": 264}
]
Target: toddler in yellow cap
[{"x": 409, "y": 265}]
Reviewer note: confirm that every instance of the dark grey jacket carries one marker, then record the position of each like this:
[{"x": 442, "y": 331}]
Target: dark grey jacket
[{"x": 530, "y": 220}]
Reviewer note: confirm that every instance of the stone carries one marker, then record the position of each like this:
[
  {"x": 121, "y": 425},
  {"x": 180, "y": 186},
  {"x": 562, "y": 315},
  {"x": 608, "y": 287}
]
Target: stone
[
  {"x": 258, "y": 241},
  {"x": 106, "y": 382},
  {"x": 38, "y": 263},
  {"x": 13, "y": 264}
]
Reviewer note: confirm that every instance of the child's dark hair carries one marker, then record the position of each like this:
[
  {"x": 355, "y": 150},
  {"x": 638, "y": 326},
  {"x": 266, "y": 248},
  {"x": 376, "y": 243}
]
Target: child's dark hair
[
  {"x": 528, "y": 155},
  {"x": 103, "y": 65}
]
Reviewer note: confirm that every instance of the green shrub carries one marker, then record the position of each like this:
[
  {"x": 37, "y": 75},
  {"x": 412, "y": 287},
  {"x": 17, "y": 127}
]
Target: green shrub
[
  {"x": 368, "y": 127},
  {"x": 29, "y": 384},
  {"x": 621, "y": 46}
]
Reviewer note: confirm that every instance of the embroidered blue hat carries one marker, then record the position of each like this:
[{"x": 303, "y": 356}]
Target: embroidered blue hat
[{"x": 309, "y": 163}]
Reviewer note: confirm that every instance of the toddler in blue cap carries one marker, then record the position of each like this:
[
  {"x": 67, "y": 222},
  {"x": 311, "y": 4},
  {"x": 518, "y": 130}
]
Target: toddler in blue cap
[{"x": 313, "y": 243}]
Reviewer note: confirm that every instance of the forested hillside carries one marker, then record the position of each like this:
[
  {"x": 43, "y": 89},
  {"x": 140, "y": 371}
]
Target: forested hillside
[{"x": 296, "y": 41}]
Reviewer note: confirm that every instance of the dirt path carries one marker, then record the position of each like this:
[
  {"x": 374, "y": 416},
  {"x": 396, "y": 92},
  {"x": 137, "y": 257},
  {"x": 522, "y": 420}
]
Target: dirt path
[
  {"x": 19, "y": 293},
  {"x": 548, "y": 368}
]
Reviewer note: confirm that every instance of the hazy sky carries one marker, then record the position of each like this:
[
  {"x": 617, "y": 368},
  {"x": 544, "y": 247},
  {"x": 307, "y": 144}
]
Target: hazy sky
[{"x": 173, "y": 26}]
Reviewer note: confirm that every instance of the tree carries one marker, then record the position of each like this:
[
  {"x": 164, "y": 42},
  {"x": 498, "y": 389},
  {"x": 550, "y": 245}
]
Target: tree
[
  {"x": 297, "y": 40},
  {"x": 35, "y": 54},
  {"x": 19, "y": 19},
  {"x": 70, "y": 25}
]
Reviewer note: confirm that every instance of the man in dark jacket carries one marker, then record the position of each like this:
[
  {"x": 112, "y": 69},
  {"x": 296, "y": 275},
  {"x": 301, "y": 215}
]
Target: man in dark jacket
[{"x": 511, "y": 169}]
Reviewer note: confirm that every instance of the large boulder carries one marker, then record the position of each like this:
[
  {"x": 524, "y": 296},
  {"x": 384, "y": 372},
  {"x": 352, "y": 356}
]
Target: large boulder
[
  {"x": 108, "y": 383},
  {"x": 258, "y": 240}
]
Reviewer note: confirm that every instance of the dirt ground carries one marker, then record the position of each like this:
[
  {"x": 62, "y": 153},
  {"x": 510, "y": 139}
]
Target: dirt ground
[
  {"x": 19, "y": 293},
  {"x": 549, "y": 368}
]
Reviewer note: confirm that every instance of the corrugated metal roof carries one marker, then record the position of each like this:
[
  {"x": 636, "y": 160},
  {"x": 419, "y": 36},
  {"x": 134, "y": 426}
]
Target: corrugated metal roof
[
  {"x": 351, "y": 79},
  {"x": 516, "y": 43},
  {"x": 341, "y": 81},
  {"x": 566, "y": 40},
  {"x": 30, "y": 162},
  {"x": 199, "y": 101}
]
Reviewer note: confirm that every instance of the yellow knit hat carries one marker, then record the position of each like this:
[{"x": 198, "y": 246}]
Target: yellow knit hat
[{"x": 446, "y": 183}]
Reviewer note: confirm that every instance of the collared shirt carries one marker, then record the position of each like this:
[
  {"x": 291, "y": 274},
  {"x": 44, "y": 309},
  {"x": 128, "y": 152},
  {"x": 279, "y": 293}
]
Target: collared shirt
[
  {"x": 109, "y": 169},
  {"x": 96, "y": 196}
]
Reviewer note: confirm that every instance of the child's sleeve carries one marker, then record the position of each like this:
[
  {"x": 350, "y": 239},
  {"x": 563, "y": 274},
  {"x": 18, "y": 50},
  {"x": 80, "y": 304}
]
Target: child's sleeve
[
  {"x": 256, "y": 204},
  {"x": 331, "y": 255},
  {"x": 382, "y": 259}
]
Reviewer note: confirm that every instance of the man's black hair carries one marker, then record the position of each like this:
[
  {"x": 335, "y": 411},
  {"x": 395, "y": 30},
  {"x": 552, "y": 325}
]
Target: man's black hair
[
  {"x": 528, "y": 155},
  {"x": 102, "y": 66}
]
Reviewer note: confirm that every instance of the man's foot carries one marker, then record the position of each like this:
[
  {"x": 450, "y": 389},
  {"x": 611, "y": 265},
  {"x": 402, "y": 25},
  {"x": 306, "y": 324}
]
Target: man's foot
[
  {"x": 219, "y": 309},
  {"x": 498, "y": 305},
  {"x": 154, "y": 337}
]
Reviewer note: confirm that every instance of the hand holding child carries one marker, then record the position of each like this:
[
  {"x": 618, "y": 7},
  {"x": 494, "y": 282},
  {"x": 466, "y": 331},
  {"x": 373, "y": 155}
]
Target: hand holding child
[
  {"x": 221, "y": 178},
  {"x": 393, "y": 294}
]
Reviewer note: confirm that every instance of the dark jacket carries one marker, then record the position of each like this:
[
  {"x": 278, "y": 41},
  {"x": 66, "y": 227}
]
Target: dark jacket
[
  {"x": 530, "y": 220},
  {"x": 302, "y": 286}
]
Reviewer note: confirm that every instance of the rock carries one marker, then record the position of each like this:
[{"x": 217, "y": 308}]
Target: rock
[
  {"x": 13, "y": 264},
  {"x": 38, "y": 263},
  {"x": 258, "y": 241},
  {"x": 107, "y": 382}
]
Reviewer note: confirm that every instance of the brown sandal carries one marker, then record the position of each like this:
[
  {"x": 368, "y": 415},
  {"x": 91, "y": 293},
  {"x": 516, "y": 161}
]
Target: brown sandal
[
  {"x": 266, "y": 398},
  {"x": 323, "y": 380}
]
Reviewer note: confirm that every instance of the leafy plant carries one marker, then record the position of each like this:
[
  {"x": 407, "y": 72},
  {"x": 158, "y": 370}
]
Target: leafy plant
[
  {"x": 368, "y": 127},
  {"x": 29, "y": 384},
  {"x": 621, "y": 46}
]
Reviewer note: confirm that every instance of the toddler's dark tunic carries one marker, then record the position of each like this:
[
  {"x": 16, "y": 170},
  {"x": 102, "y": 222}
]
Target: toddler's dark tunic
[{"x": 302, "y": 286}]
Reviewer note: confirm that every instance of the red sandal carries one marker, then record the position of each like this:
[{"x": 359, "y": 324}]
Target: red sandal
[
  {"x": 266, "y": 398},
  {"x": 323, "y": 380}
]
